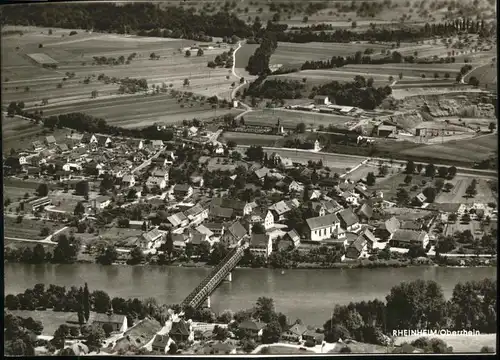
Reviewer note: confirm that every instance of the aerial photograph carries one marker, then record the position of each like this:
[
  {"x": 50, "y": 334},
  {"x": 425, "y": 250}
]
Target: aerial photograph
[{"x": 249, "y": 177}]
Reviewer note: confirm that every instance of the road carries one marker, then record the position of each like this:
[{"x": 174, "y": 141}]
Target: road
[
  {"x": 483, "y": 63},
  {"x": 148, "y": 161},
  {"x": 292, "y": 153},
  {"x": 233, "y": 93}
]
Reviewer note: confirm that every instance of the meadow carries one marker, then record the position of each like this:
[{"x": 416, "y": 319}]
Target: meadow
[
  {"x": 289, "y": 119},
  {"x": 140, "y": 110},
  {"x": 456, "y": 195},
  {"x": 410, "y": 71},
  {"x": 468, "y": 151},
  {"x": 242, "y": 138},
  {"x": 27, "y": 229},
  {"x": 24, "y": 80},
  {"x": 487, "y": 76},
  {"x": 318, "y": 77}
]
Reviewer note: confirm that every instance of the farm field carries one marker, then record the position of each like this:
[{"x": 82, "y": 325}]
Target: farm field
[
  {"x": 140, "y": 110},
  {"x": 361, "y": 172},
  {"x": 298, "y": 53},
  {"x": 402, "y": 93},
  {"x": 409, "y": 71},
  {"x": 27, "y": 229},
  {"x": 336, "y": 162},
  {"x": 24, "y": 80},
  {"x": 290, "y": 118},
  {"x": 456, "y": 195},
  {"x": 19, "y": 133},
  {"x": 242, "y": 138},
  {"x": 323, "y": 76},
  {"x": 470, "y": 150},
  {"x": 487, "y": 76}
]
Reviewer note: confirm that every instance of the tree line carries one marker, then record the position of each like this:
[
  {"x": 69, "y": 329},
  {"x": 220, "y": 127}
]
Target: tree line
[
  {"x": 258, "y": 63},
  {"x": 275, "y": 89},
  {"x": 416, "y": 305},
  {"x": 359, "y": 93},
  {"x": 141, "y": 18}
]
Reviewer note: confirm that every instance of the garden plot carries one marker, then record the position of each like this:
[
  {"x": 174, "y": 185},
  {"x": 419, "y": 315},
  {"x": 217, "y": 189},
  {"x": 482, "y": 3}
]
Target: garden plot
[{"x": 42, "y": 59}]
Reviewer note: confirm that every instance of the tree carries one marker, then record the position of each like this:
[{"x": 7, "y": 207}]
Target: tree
[
  {"x": 300, "y": 128},
  {"x": 86, "y": 302},
  {"x": 186, "y": 82},
  {"x": 473, "y": 81},
  {"x": 123, "y": 222},
  {"x": 79, "y": 209},
  {"x": 408, "y": 179},
  {"x": 471, "y": 191},
  {"x": 271, "y": 333},
  {"x": 188, "y": 53},
  {"x": 200, "y": 52},
  {"x": 430, "y": 194},
  {"x": 264, "y": 309},
  {"x": 492, "y": 126},
  {"x": 335, "y": 332},
  {"x": 370, "y": 179},
  {"x": 430, "y": 170},
  {"x": 417, "y": 304},
  {"x": 442, "y": 172},
  {"x": 416, "y": 251},
  {"x": 410, "y": 167},
  {"x": 172, "y": 350},
  {"x": 169, "y": 244},
  {"x": 66, "y": 250},
  {"x": 101, "y": 301},
  {"x": 82, "y": 188},
  {"x": 42, "y": 190},
  {"x": 136, "y": 256},
  {"x": 445, "y": 244},
  {"x": 108, "y": 329},
  {"x": 402, "y": 196},
  {"x": 95, "y": 336},
  {"x": 38, "y": 256},
  {"x": 108, "y": 256},
  {"x": 220, "y": 333},
  {"x": 258, "y": 229}
]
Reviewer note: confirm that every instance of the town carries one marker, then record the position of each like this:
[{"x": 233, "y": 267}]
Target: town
[{"x": 265, "y": 169}]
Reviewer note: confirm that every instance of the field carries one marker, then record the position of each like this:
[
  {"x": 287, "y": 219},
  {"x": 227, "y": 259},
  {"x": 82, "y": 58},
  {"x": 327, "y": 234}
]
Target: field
[
  {"x": 277, "y": 349},
  {"x": 409, "y": 71},
  {"x": 390, "y": 184},
  {"x": 460, "y": 343},
  {"x": 23, "y": 80},
  {"x": 290, "y": 118},
  {"x": 140, "y": 110},
  {"x": 297, "y": 53},
  {"x": 51, "y": 320},
  {"x": 250, "y": 139},
  {"x": 456, "y": 195},
  {"x": 361, "y": 172},
  {"x": 470, "y": 150},
  {"x": 323, "y": 76},
  {"x": 336, "y": 162},
  {"x": 27, "y": 229},
  {"x": 362, "y": 348},
  {"x": 20, "y": 133},
  {"x": 42, "y": 58},
  {"x": 407, "y": 214},
  {"x": 473, "y": 226},
  {"x": 487, "y": 76}
]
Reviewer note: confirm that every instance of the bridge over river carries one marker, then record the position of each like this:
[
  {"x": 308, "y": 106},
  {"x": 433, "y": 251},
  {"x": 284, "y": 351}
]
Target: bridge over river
[{"x": 221, "y": 272}]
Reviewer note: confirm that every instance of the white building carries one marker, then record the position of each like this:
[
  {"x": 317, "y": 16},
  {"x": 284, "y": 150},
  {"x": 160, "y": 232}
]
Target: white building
[{"x": 323, "y": 227}]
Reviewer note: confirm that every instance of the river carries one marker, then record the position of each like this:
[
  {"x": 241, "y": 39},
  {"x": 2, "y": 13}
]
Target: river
[{"x": 309, "y": 295}]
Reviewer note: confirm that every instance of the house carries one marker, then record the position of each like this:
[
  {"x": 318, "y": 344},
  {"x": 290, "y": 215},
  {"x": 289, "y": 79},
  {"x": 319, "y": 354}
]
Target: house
[
  {"x": 118, "y": 322},
  {"x": 365, "y": 212},
  {"x": 196, "y": 214},
  {"x": 72, "y": 167},
  {"x": 295, "y": 186},
  {"x": 40, "y": 203},
  {"x": 218, "y": 212},
  {"x": 284, "y": 162},
  {"x": 323, "y": 227},
  {"x": 240, "y": 208},
  {"x": 349, "y": 197},
  {"x": 412, "y": 225},
  {"x": 183, "y": 191},
  {"x": 150, "y": 238},
  {"x": 261, "y": 245},
  {"x": 348, "y": 220},
  {"x": 253, "y": 327},
  {"x": 170, "y": 157},
  {"x": 178, "y": 220},
  {"x": 317, "y": 145},
  {"x": 408, "y": 238},
  {"x": 50, "y": 140},
  {"x": 128, "y": 181},
  {"x": 321, "y": 100},
  {"x": 219, "y": 348},
  {"x": 265, "y": 218},
  {"x": 75, "y": 137},
  {"x": 37, "y": 145},
  {"x": 234, "y": 234},
  {"x": 197, "y": 180},
  {"x": 289, "y": 241},
  {"x": 361, "y": 191},
  {"x": 100, "y": 202},
  {"x": 386, "y": 130},
  {"x": 359, "y": 247},
  {"x": 387, "y": 228},
  {"x": 312, "y": 335},
  {"x": 136, "y": 144},
  {"x": 163, "y": 174},
  {"x": 23, "y": 160},
  {"x": 217, "y": 228},
  {"x": 260, "y": 174},
  {"x": 154, "y": 181},
  {"x": 193, "y": 130},
  {"x": 421, "y": 198},
  {"x": 139, "y": 224},
  {"x": 202, "y": 229},
  {"x": 89, "y": 139},
  {"x": 103, "y": 141},
  {"x": 157, "y": 144},
  {"x": 160, "y": 343},
  {"x": 179, "y": 241},
  {"x": 294, "y": 333},
  {"x": 181, "y": 331},
  {"x": 281, "y": 208}
]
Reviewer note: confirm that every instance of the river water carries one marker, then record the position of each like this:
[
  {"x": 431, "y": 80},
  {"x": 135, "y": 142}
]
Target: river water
[{"x": 306, "y": 294}]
